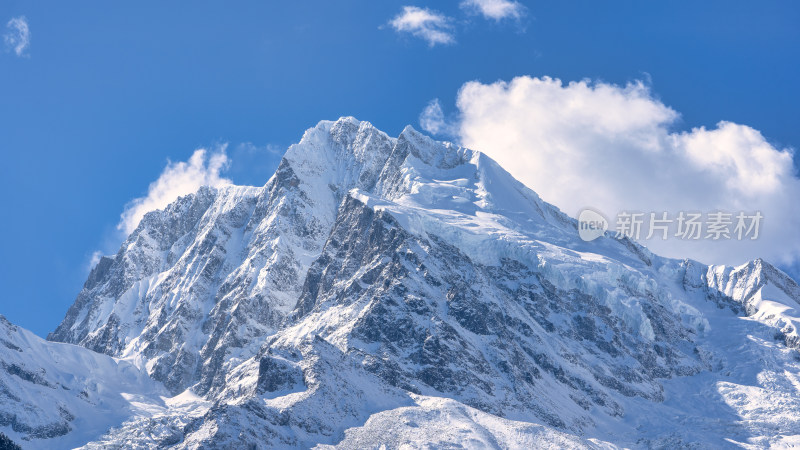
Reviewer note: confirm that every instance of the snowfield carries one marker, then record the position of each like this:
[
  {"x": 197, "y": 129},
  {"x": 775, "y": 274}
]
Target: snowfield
[{"x": 382, "y": 292}]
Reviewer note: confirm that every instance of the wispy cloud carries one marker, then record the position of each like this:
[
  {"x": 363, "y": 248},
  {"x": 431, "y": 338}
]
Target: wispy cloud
[
  {"x": 18, "y": 36},
  {"x": 93, "y": 260},
  {"x": 423, "y": 23},
  {"x": 495, "y": 9},
  {"x": 177, "y": 179},
  {"x": 432, "y": 119}
]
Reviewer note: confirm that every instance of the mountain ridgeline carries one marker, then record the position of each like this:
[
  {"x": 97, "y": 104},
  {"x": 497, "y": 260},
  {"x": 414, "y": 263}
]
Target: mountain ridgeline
[{"x": 381, "y": 290}]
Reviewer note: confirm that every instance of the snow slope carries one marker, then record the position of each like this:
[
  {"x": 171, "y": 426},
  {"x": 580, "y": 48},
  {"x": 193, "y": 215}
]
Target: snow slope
[{"x": 60, "y": 395}]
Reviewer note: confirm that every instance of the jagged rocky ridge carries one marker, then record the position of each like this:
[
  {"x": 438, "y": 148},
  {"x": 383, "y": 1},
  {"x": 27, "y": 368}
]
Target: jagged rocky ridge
[{"x": 376, "y": 277}]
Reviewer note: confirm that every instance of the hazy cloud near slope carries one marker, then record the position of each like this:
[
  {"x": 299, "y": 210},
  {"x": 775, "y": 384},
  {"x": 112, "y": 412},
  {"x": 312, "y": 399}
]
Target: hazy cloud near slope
[
  {"x": 614, "y": 148},
  {"x": 433, "y": 120},
  {"x": 177, "y": 179}
]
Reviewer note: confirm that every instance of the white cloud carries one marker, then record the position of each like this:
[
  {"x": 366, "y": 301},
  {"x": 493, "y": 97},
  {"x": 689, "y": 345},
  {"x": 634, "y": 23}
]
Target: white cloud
[
  {"x": 432, "y": 119},
  {"x": 495, "y": 9},
  {"x": 18, "y": 36},
  {"x": 177, "y": 179},
  {"x": 425, "y": 24},
  {"x": 613, "y": 148}
]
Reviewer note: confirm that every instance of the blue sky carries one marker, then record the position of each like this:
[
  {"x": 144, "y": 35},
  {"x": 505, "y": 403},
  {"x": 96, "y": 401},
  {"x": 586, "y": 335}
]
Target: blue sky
[{"x": 106, "y": 92}]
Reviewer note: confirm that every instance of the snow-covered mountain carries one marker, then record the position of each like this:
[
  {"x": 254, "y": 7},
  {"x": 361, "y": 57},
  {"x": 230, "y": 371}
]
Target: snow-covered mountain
[
  {"x": 59, "y": 395},
  {"x": 383, "y": 290}
]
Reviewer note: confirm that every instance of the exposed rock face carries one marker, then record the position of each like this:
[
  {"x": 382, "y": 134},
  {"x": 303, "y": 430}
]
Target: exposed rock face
[
  {"x": 216, "y": 272},
  {"x": 376, "y": 277}
]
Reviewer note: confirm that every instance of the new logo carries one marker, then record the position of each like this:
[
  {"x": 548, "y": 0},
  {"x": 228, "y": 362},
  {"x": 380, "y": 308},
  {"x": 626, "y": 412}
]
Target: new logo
[{"x": 591, "y": 224}]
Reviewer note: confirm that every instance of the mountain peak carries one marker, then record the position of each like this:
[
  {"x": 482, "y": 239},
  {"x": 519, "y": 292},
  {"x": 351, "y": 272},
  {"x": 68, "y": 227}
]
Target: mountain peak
[{"x": 401, "y": 270}]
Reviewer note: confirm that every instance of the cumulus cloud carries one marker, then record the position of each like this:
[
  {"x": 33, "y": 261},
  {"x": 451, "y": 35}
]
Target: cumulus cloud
[
  {"x": 423, "y": 23},
  {"x": 614, "y": 148},
  {"x": 495, "y": 9},
  {"x": 177, "y": 179},
  {"x": 432, "y": 119},
  {"x": 18, "y": 36}
]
